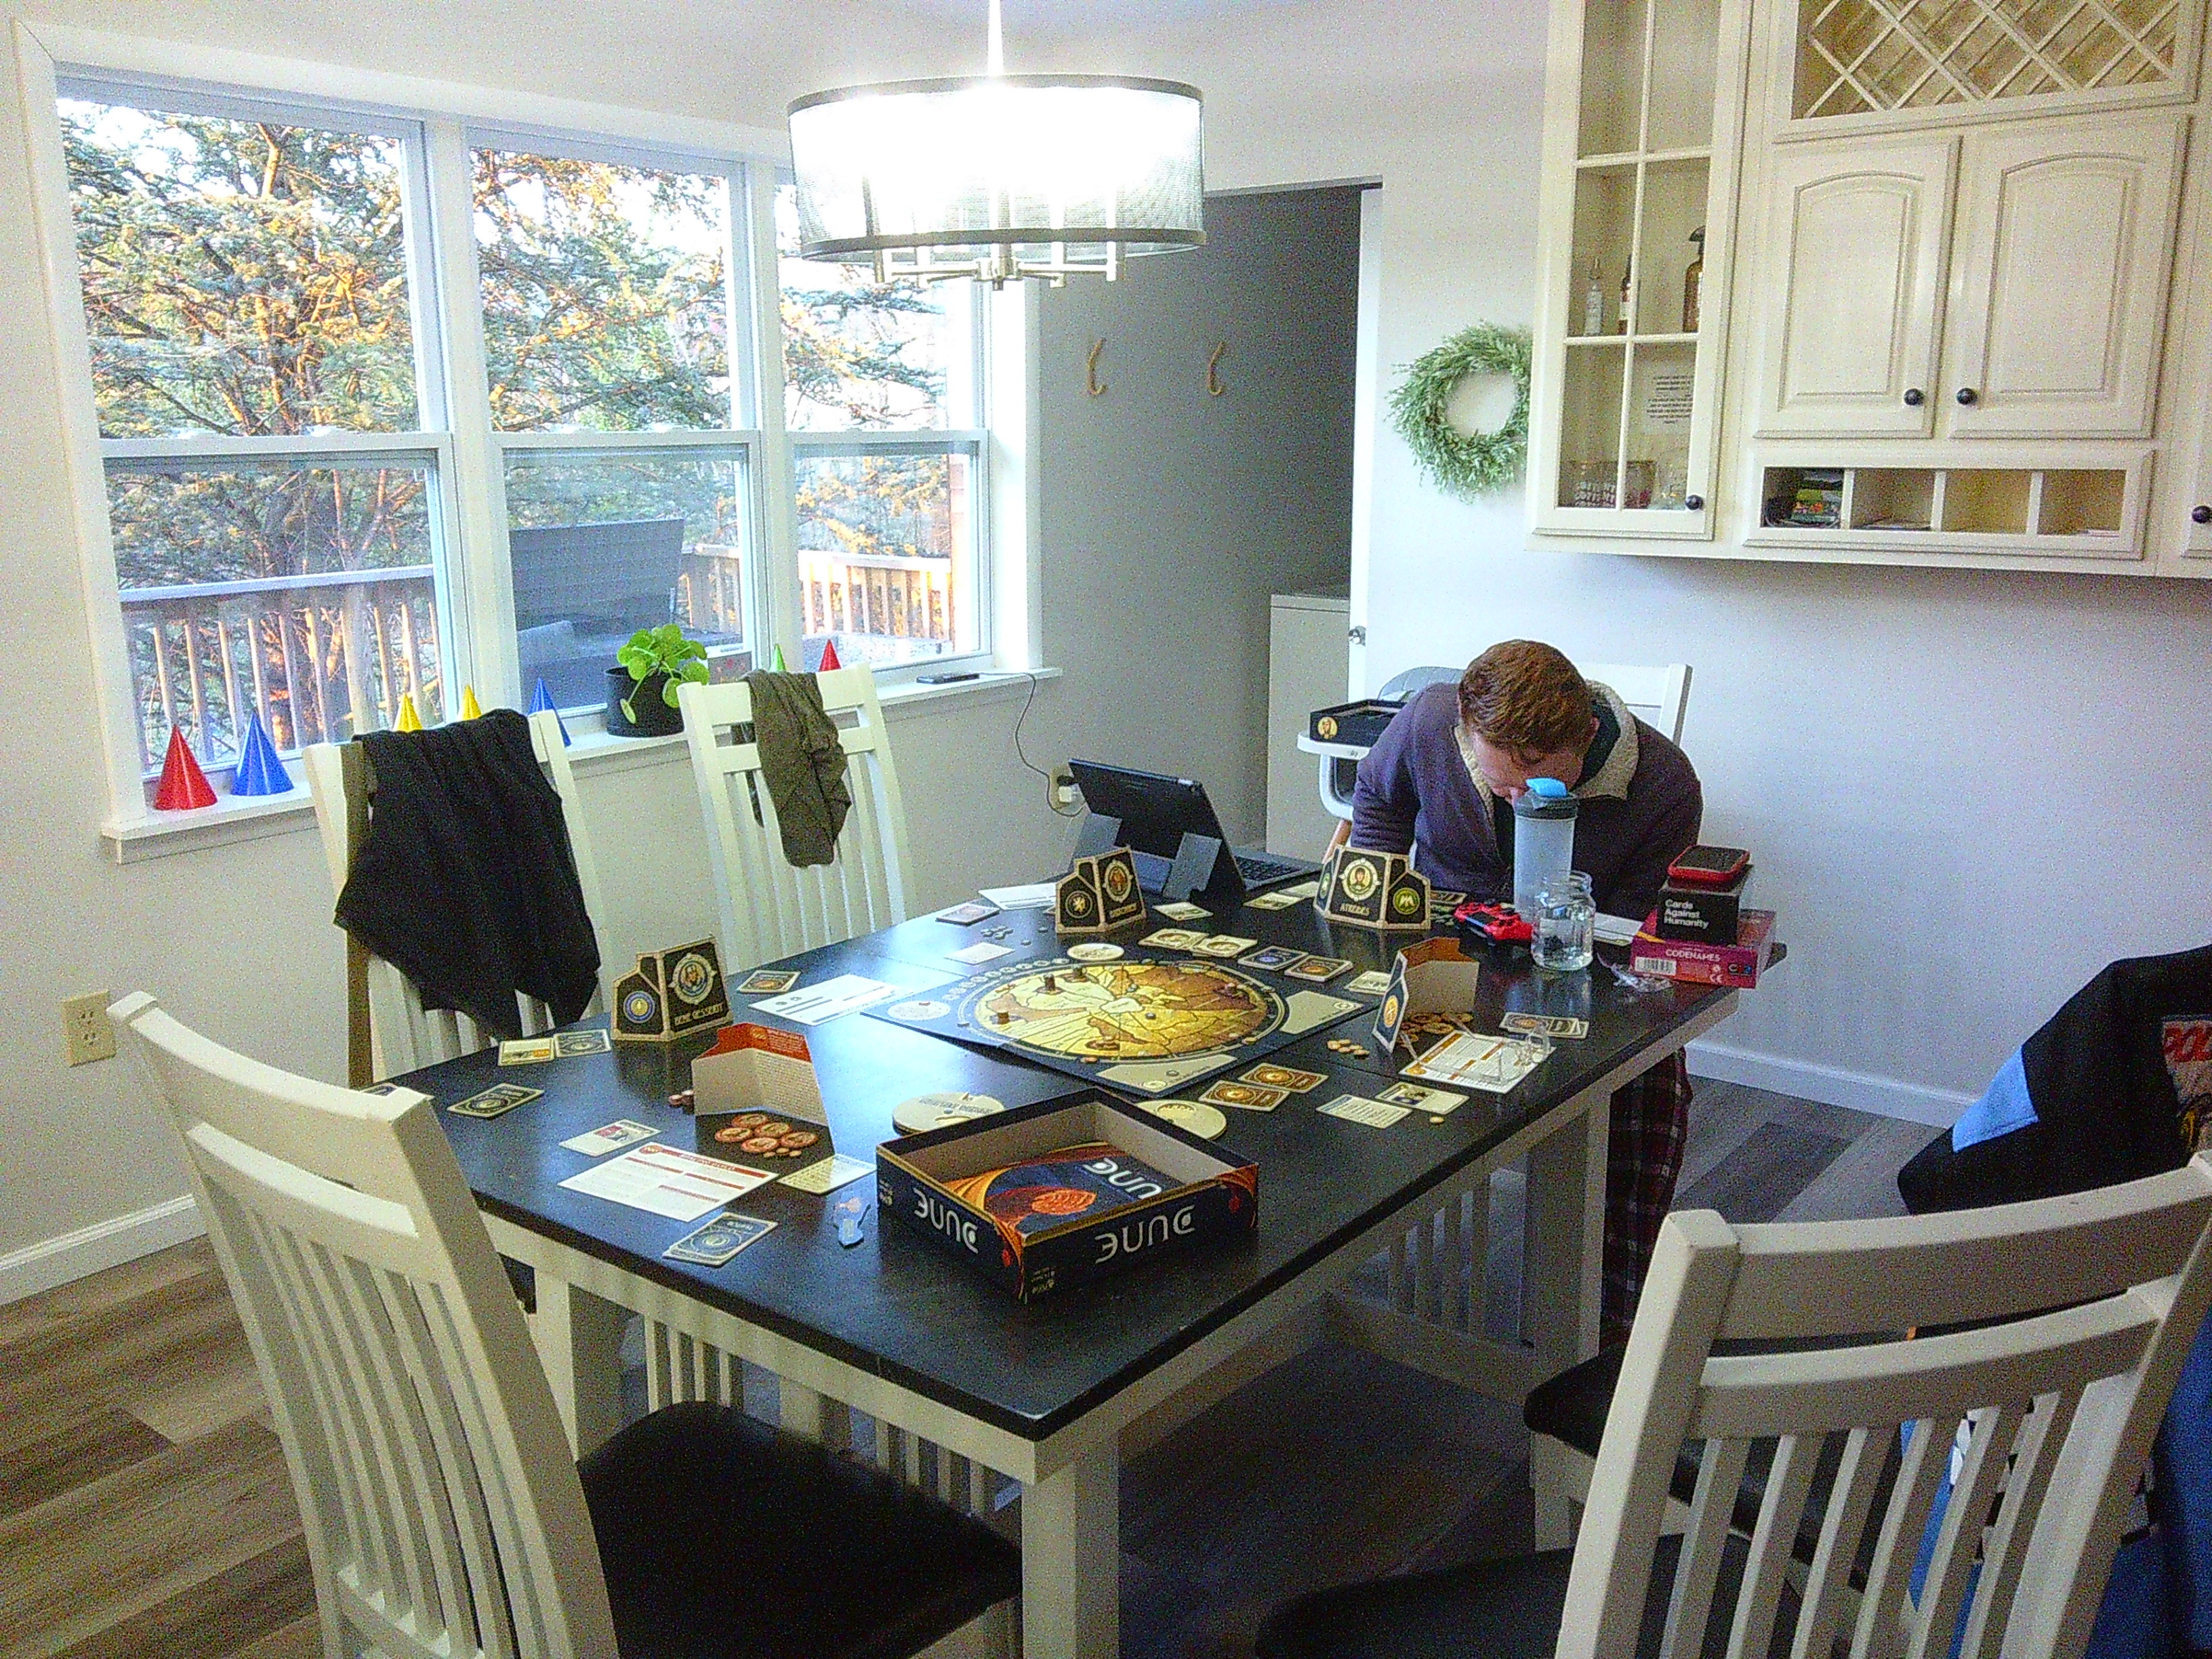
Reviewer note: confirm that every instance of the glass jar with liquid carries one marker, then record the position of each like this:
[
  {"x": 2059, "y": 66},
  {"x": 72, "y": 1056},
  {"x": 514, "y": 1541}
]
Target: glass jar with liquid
[{"x": 1566, "y": 923}]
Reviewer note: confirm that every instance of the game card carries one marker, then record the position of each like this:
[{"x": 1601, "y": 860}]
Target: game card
[
  {"x": 1352, "y": 1109},
  {"x": 712, "y": 1245},
  {"x": 1277, "y": 900},
  {"x": 1550, "y": 1025},
  {"x": 1282, "y": 1077},
  {"x": 966, "y": 916},
  {"x": 1415, "y": 1097},
  {"x": 1244, "y": 1096},
  {"x": 525, "y": 1051},
  {"x": 981, "y": 951},
  {"x": 1300, "y": 889},
  {"x": 1225, "y": 946},
  {"x": 1372, "y": 983},
  {"x": 668, "y": 1180},
  {"x": 1182, "y": 910},
  {"x": 1272, "y": 958},
  {"x": 610, "y": 1138},
  {"x": 1493, "y": 1063},
  {"x": 1174, "y": 939},
  {"x": 566, "y": 1043},
  {"x": 499, "y": 1097},
  {"x": 767, "y": 981},
  {"x": 1319, "y": 969},
  {"x": 828, "y": 1175},
  {"x": 396, "y": 1089}
]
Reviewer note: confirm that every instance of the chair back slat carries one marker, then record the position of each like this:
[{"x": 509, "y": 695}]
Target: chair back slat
[
  {"x": 767, "y": 908},
  {"x": 441, "y": 1508},
  {"x": 2030, "y": 1424}
]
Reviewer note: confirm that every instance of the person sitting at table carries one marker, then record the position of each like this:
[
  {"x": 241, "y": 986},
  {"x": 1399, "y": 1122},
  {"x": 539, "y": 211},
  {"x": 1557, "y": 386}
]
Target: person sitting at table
[{"x": 1442, "y": 778}]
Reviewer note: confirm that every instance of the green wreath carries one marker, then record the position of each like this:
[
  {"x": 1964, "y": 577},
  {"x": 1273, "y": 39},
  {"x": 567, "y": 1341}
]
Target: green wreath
[{"x": 1465, "y": 463}]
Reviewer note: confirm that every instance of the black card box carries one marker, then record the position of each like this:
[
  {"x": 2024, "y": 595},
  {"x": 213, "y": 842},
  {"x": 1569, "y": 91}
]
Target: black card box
[
  {"x": 1357, "y": 725},
  {"x": 1214, "y": 1203},
  {"x": 1701, "y": 914}
]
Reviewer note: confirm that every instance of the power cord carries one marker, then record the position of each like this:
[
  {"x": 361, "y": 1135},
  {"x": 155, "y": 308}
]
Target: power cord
[{"x": 1051, "y": 783}]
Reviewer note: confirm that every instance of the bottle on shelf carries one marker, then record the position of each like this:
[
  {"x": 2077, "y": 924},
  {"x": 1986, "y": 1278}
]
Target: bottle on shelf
[
  {"x": 1594, "y": 303},
  {"x": 1692, "y": 280},
  {"x": 1627, "y": 297}
]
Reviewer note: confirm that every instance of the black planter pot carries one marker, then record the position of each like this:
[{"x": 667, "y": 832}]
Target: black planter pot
[{"x": 655, "y": 719}]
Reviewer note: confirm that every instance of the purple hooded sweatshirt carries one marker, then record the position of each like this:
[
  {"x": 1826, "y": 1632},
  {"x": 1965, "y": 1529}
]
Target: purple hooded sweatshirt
[{"x": 1417, "y": 789}]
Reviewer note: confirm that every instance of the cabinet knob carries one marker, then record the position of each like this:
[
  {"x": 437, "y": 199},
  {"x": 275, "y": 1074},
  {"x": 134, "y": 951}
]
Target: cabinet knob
[
  {"x": 1914, "y": 396},
  {"x": 1967, "y": 394},
  {"x": 1697, "y": 504},
  {"x": 2203, "y": 514}
]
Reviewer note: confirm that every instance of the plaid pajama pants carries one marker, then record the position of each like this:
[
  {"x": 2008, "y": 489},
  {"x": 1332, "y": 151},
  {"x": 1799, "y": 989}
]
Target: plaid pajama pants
[{"x": 1643, "y": 1154}]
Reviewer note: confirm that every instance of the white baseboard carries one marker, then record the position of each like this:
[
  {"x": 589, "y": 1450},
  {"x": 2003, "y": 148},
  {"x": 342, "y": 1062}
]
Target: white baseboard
[
  {"x": 107, "y": 1243},
  {"x": 1829, "y": 1084}
]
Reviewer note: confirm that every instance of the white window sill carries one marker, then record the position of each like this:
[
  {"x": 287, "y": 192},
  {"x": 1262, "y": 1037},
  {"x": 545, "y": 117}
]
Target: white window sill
[{"x": 256, "y": 818}]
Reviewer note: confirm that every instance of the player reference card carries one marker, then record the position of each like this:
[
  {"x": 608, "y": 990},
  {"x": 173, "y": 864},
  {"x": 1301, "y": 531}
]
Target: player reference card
[
  {"x": 610, "y": 1137},
  {"x": 830, "y": 1174},
  {"x": 1376, "y": 1114},
  {"x": 1372, "y": 983},
  {"x": 1472, "y": 1061},
  {"x": 527, "y": 1051},
  {"x": 499, "y": 1097},
  {"x": 712, "y": 1245},
  {"x": 567, "y": 1043},
  {"x": 1182, "y": 910},
  {"x": 767, "y": 981},
  {"x": 1550, "y": 1025},
  {"x": 1415, "y": 1097},
  {"x": 666, "y": 1180}
]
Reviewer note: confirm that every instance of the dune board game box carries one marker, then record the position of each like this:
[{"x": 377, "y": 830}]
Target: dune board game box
[{"x": 1050, "y": 1197}]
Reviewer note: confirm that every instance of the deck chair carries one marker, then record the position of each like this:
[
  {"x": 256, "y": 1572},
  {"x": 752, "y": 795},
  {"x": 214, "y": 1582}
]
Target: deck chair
[
  {"x": 441, "y": 1509},
  {"x": 388, "y": 1029},
  {"x": 767, "y": 908},
  {"x": 2063, "y": 1326}
]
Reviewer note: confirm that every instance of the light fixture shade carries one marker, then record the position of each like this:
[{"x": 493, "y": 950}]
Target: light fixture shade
[{"x": 1000, "y": 176}]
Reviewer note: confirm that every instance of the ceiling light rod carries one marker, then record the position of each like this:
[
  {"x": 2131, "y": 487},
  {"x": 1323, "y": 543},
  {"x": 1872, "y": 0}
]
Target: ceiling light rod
[{"x": 998, "y": 176}]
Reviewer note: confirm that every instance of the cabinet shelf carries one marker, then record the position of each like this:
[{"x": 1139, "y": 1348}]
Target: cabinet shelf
[
  {"x": 1629, "y": 158},
  {"x": 2058, "y": 512}
]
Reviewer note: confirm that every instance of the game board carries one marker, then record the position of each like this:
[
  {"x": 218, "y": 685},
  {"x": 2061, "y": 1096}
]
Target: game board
[{"x": 1140, "y": 1023}]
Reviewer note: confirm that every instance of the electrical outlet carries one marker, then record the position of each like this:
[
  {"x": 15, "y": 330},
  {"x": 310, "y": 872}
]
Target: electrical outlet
[
  {"x": 86, "y": 1031},
  {"x": 1063, "y": 792}
]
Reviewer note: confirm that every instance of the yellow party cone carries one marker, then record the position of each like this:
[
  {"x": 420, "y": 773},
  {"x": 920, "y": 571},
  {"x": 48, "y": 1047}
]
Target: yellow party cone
[
  {"x": 470, "y": 709},
  {"x": 409, "y": 720}
]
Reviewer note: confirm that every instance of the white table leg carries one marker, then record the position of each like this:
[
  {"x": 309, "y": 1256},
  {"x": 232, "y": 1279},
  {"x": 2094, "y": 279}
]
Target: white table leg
[
  {"x": 1071, "y": 1560},
  {"x": 579, "y": 1339},
  {"x": 1562, "y": 1276},
  {"x": 803, "y": 1411}
]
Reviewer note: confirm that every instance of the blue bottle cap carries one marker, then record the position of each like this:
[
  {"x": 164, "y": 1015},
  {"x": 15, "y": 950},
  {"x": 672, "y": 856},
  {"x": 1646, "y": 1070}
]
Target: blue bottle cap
[{"x": 1549, "y": 788}]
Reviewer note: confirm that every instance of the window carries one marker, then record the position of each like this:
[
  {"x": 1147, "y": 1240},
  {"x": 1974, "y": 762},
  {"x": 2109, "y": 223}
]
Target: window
[
  {"x": 273, "y": 492},
  {"x": 882, "y": 399}
]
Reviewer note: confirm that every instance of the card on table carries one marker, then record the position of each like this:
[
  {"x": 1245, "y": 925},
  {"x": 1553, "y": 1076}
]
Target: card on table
[
  {"x": 499, "y": 1097},
  {"x": 1352, "y": 1109},
  {"x": 1223, "y": 945},
  {"x": 767, "y": 981},
  {"x": 1475, "y": 1061},
  {"x": 1414, "y": 1097},
  {"x": 1319, "y": 969},
  {"x": 527, "y": 1051},
  {"x": 712, "y": 1245},
  {"x": 1245, "y": 1096},
  {"x": 395, "y": 1088},
  {"x": 1270, "y": 1076},
  {"x": 1173, "y": 939},
  {"x": 566, "y": 1043},
  {"x": 981, "y": 951},
  {"x": 610, "y": 1137},
  {"x": 831, "y": 1173},
  {"x": 1182, "y": 910},
  {"x": 844, "y": 994},
  {"x": 1372, "y": 983},
  {"x": 668, "y": 1180},
  {"x": 965, "y": 915},
  {"x": 1300, "y": 889},
  {"x": 1550, "y": 1025},
  {"x": 1273, "y": 958},
  {"x": 1277, "y": 900}
]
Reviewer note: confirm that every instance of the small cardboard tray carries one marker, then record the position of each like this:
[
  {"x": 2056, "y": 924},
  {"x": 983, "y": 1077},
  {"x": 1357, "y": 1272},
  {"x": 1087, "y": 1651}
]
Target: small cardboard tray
[
  {"x": 1212, "y": 1199},
  {"x": 1356, "y": 724}
]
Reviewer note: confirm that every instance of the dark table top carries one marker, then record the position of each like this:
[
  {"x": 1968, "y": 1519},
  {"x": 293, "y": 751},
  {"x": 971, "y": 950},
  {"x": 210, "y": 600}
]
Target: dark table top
[{"x": 893, "y": 1305}]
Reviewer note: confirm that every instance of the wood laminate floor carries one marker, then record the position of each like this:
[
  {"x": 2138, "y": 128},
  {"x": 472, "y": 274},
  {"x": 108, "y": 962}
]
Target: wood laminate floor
[{"x": 145, "y": 1512}]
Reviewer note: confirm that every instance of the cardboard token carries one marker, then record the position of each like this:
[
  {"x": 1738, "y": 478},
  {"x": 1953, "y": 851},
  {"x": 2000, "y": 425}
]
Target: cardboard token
[
  {"x": 1202, "y": 1120},
  {"x": 933, "y": 1111}
]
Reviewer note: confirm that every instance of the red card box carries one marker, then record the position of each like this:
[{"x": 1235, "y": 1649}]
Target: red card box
[{"x": 1691, "y": 962}]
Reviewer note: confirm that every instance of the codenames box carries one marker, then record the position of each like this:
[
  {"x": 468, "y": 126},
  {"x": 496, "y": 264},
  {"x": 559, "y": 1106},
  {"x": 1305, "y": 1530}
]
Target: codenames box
[
  {"x": 1739, "y": 964},
  {"x": 1050, "y": 1197}
]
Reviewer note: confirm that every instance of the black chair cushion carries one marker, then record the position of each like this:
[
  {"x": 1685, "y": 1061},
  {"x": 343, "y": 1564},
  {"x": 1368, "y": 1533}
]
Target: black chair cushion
[
  {"x": 1506, "y": 1609},
  {"x": 1573, "y": 1406},
  {"x": 723, "y": 1538}
]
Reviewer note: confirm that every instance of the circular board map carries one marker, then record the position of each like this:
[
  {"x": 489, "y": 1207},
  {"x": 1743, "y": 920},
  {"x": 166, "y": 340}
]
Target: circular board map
[{"x": 1127, "y": 1010}]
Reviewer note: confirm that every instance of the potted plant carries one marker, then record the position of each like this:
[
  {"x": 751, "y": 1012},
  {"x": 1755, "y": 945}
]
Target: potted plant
[{"x": 641, "y": 686}]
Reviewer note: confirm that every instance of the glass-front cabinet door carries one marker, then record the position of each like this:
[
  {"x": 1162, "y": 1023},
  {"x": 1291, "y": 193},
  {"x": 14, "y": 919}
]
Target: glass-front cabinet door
[{"x": 1641, "y": 128}]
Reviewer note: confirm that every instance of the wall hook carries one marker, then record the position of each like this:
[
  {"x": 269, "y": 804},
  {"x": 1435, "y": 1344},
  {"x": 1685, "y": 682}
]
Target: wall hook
[
  {"x": 1213, "y": 387},
  {"x": 1091, "y": 383}
]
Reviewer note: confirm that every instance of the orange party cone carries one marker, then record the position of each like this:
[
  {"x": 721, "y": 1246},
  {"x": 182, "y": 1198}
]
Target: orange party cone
[{"x": 183, "y": 785}]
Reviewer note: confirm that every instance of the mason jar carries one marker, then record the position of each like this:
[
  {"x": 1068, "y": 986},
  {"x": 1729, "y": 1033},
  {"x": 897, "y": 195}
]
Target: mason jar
[{"x": 1565, "y": 924}]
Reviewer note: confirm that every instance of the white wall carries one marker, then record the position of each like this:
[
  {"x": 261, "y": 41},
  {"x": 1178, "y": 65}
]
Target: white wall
[{"x": 1965, "y": 792}]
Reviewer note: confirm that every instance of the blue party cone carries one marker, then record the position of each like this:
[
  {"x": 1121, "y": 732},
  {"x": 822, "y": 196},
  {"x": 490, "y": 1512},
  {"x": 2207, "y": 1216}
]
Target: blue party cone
[
  {"x": 260, "y": 772},
  {"x": 540, "y": 700}
]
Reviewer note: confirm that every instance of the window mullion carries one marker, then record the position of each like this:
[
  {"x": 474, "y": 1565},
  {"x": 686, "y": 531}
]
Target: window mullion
[
  {"x": 480, "y": 585},
  {"x": 773, "y": 480}
]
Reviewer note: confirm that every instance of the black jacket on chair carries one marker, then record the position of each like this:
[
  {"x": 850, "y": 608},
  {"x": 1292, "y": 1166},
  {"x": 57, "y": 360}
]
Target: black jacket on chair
[{"x": 466, "y": 882}]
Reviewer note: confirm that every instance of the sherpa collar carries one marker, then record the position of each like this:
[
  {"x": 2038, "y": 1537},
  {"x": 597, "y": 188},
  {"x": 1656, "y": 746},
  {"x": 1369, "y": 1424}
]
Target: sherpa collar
[{"x": 1611, "y": 780}]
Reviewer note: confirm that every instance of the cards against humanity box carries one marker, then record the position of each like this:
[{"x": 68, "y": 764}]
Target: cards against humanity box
[
  {"x": 1049, "y": 1197},
  {"x": 757, "y": 1102},
  {"x": 1694, "y": 963},
  {"x": 1707, "y": 915},
  {"x": 1433, "y": 977}
]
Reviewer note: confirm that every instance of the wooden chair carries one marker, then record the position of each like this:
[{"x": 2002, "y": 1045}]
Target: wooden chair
[
  {"x": 441, "y": 1512},
  {"x": 2079, "y": 1312},
  {"x": 403, "y": 1035},
  {"x": 770, "y": 909}
]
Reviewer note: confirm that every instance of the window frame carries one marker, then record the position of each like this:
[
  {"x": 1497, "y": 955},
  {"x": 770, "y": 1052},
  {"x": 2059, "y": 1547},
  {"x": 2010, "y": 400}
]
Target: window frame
[{"x": 438, "y": 123}]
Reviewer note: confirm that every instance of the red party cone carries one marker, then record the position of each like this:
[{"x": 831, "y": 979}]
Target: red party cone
[
  {"x": 183, "y": 784},
  {"x": 828, "y": 657}
]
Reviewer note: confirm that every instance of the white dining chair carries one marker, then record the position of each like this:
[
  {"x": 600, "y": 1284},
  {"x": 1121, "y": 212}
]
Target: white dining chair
[
  {"x": 441, "y": 1511},
  {"x": 768, "y": 909},
  {"x": 404, "y": 1036},
  {"x": 2055, "y": 1333}
]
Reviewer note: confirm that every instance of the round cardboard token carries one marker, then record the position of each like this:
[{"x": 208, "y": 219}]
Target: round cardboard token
[
  {"x": 934, "y": 1111},
  {"x": 1203, "y": 1121},
  {"x": 1094, "y": 951},
  {"x": 919, "y": 1009}
]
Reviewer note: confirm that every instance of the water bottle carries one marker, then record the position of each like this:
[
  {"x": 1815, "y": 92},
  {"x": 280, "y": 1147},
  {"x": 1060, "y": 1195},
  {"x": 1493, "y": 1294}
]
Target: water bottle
[{"x": 1543, "y": 840}]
